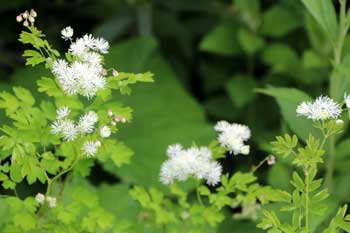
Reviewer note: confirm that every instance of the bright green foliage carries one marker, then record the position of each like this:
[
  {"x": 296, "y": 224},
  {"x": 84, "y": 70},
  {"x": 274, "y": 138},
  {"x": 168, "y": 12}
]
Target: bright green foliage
[
  {"x": 31, "y": 153},
  {"x": 308, "y": 197}
]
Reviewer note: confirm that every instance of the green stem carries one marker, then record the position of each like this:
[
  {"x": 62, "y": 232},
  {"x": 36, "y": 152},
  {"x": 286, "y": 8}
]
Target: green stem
[
  {"x": 338, "y": 47},
  {"x": 307, "y": 201},
  {"x": 255, "y": 168},
  {"x": 198, "y": 194},
  {"x": 330, "y": 164}
]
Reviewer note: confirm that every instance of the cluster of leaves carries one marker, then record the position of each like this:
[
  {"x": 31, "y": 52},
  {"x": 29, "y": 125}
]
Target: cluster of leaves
[{"x": 307, "y": 197}]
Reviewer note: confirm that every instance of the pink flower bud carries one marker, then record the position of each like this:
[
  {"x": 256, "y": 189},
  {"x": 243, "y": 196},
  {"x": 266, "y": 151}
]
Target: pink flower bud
[
  {"x": 19, "y": 18},
  {"x": 31, "y": 19},
  {"x": 25, "y": 15},
  {"x": 98, "y": 143},
  {"x": 110, "y": 112},
  {"x": 33, "y": 13},
  {"x": 113, "y": 123},
  {"x": 26, "y": 24}
]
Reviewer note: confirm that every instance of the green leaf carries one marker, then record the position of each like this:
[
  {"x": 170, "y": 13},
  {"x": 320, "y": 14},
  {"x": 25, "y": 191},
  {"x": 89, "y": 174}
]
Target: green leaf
[
  {"x": 33, "y": 57},
  {"x": 324, "y": 13},
  {"x": 241, "y": 90},
  {"x": 280, "y": 57},
  {"x": 250, "y": 42},
  {"x": 221, "y": 40},
  {"x": 279, "y": 21},
  {"x": 24, "y": 95},
  {"x": 288, "y": 99},
  {"x": 157, "y": 122}
]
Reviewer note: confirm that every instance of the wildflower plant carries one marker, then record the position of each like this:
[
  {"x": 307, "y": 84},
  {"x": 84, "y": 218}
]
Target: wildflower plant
[
  {"x": 215, "y": 192},
  {"x": 57, "y": 140}
]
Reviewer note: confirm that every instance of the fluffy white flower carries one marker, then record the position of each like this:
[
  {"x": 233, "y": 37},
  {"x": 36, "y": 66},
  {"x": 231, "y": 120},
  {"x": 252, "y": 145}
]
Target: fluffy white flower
[
  {"x": 67, "y": 33},
  {"x": 233, "y": 136},
  {"x": 193, "y": 162},
  {"x": 78, "y": 48},
  {"x": 87, "y": 122},
  {"x": 90, "y": 148},
  {"x": 323, "y": 108},
  {"x": 62, "y": 112},
  {"x": 105, "y": 131},
  {"x": 56, "y": 127},
  {"x": 89, "y": 41},
  {"x": 173, "y": 150},
  {"x": 40, "y": 198},
  {"x": 51, "y": 201},
  {"x": 101, "y": 45},
  {"x": 66, "y": 128},
  {"x": 347, "y": 100},
  {"x": 69, "y": 130}
]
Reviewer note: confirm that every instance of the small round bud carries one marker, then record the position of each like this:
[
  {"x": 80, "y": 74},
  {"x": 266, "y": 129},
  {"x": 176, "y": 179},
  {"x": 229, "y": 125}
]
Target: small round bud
[
  {"x": 245, "y": 150},
  {"x": 25, "y": 23},
  {"x": 19, "y": 18},
  {"x": 122, "y": 119},
  {"x": 110, "y": 112},
  {"x": 98, "y": 143},
  {"x": 51, "y": 201},
  {"x": 115, "y": 72},
  {"x": 33, "y": 13},
  {"x": 31, "y": 19},
  {"x": 40, "y": 198},
  {"x": 271, "y": 160},
  {"x": 113, "y": 123},
  {"x": 339, "y": 122},
  {"x": 25, "y": 15}
]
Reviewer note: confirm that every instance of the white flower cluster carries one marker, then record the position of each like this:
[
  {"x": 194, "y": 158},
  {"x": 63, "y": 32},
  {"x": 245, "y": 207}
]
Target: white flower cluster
[
  {"x": 323, "y": 108},
  {"x": 233, "y": 136},
  {"x": 69, "y": 130},
  {"x": 85, "y": 75},
  {"x": 40, "y": 199},
  {"x": 193, "y": 162}
]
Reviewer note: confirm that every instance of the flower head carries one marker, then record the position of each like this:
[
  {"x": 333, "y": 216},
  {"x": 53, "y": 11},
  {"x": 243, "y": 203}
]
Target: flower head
[
  {"x": 105, "y": 131},
  {"x": 233, "y": 136},
  {"x": 87, "y": 122},
  {"x": 192, "y": 162},
  {"x": 40, "y": 198},
  {"x": 63, "y": 112},
  {"x": 52, "y": 201},
  {"x": 67, "y": 33},
  {"x": 65, "y": 128},
  {"x": 323, "y": 108},
  {"x": 90, "y": 148}
]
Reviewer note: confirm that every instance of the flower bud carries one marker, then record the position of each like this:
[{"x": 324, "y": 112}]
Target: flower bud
[
  {"x": 33, "y": 13},
  {"x": 31, "y": 19},
  {"x": 110, "y": 112},
  {"x": 271, "y": 160},
  {"x": 115, "y": 72},
  {"x": 19, "y": 18}
]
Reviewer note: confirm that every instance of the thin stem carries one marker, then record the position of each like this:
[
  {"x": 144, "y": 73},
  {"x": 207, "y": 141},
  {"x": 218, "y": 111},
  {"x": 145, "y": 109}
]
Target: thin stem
[
  {"x": 255, "y": 168},
  {"x": 330, "y": 164},
  {"x": 307, "y": 200},
  {"x": 198, "y": 194},
  {"x": 338, "y": 47}
]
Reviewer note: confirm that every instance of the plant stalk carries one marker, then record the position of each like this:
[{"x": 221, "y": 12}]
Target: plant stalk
[{"x": 307, "y": 201}]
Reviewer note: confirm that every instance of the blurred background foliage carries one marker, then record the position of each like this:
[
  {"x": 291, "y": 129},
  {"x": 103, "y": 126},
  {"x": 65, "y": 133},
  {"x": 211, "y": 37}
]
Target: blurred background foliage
[{"x": 212, "y": 59}]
